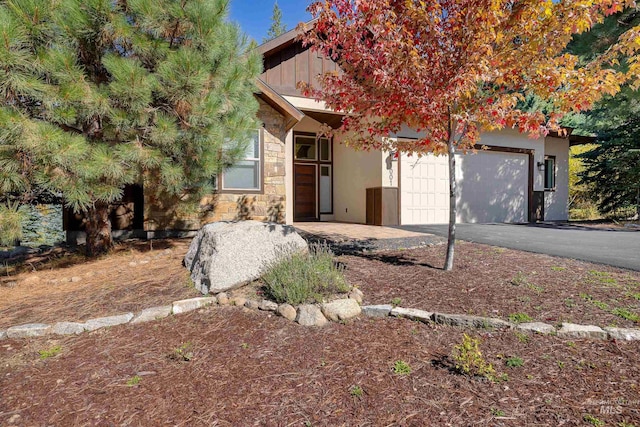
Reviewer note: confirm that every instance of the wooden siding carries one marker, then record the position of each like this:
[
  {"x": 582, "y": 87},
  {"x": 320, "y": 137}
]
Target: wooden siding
[{"x": 284, "y": 68}]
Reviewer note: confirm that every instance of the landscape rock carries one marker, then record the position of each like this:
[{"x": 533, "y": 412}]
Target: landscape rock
[
  {"x": 103, "y": 322},
  {"x": 252, "y": 304},
  {"x": 187, "y": 305},
  {"x": 623, "y": 334},
  {"x": 223, "y": 298},
  {"x": 537, "y": 327},
  {"x": 470, "y": 321},
  {"x": 342, "y": 309},
  {"x": 29, "y": 330},
  {"x": 225, "y": 255},
  {"x": 571, "y": 330},
  {"x": 310, "y": 315},
  {"x": 377, "y": 310},
  {"x": 267, "y": 305},
  {"x": 413, "y": 314},
  {"x": 67, "y": 328},
  {"x": 153, "y": 313},
  {"x": 76, "y": 279},
  {"x": 238, "y": 301},
  {"x": 287, "y": 311},
  {"x": 356, "y": 294},
  {"x": 3, "y": 335}
]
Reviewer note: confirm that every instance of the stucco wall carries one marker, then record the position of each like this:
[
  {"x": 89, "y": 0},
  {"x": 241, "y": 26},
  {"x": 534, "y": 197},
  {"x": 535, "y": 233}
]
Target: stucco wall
[
  {"x": 271, "y": 205},
  {"x": 556, "y": 202},
  {"x": 354, "y": 172}
]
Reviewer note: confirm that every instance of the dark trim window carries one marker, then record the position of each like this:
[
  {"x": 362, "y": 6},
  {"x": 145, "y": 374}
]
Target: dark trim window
[
  {"x": 549, "y": 173},
  {"x": 246, "y": 175}
]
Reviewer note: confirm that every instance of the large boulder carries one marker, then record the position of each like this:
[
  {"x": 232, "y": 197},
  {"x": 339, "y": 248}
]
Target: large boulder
[{"x": 226, "y": 255}]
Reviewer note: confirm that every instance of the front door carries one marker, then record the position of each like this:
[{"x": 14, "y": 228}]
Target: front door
[{"x": 305, "y": 193}]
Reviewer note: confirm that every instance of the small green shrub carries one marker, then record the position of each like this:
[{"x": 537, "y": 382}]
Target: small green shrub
[
  {"x": 593, "y": 420},
  {"x": 497, "y": 412},
  {"x": 356, "y": 391},
  {"x": 183, "y": 353},
  {"x": 50, "y": 352},
  {"x": 519, "y": 279},
  {"x": 520, "y": 318},
  {"x": 305, "y": 277},
  {"x": 626, "y": 314},
  {"x": 396, "y": 302},
  {"x": 400, "y": 367},
  {"x": 469, "y": 359},
  {"x": 522, "y": 337},
  {"x": 135, "y": 380},
  {"x": 514, "y": 362}
]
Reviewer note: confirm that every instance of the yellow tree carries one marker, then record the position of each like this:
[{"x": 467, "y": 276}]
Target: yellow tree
[{"x": 454, "y": 68}]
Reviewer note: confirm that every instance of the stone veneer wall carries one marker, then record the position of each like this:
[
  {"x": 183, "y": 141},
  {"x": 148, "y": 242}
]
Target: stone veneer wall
[{"x": 267, "y": 206}]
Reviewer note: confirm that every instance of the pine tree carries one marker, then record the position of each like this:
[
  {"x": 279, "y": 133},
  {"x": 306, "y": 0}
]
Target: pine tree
[
  {"x": 277, "y": 27},
  {"x": 98, "y": 94},
  {"x": 612, "y": 166}
]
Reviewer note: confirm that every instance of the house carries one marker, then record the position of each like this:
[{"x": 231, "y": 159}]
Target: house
[{"x": 292, "y": 173}]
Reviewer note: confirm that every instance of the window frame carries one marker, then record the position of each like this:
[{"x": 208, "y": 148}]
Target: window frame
[
  {"x": 259, "y": 161},
  {"x": 552, "y": 160},
  {"x": 316, "y": 147}
]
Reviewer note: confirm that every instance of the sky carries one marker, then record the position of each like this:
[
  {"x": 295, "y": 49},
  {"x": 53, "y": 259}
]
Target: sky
[{"x": 254, "y": 16}]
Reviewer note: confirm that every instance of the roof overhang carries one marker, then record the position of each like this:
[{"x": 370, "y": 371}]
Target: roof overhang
[
  {"x": 332, "y": 119},
  {"x": 281, "y": 105},
  {"x": 285, "y": 39}
]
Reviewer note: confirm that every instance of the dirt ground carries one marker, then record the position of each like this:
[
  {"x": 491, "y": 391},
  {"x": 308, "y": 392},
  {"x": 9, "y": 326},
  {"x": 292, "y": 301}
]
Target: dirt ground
[
  {"x": 227, "y": 366},
  {"x": 64, "y": 286}
]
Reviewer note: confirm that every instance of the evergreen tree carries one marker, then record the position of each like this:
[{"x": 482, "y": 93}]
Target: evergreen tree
[
  {"x": 612, "y": 166},
  {"x": 99, "y": 94},
  {"x": 277, "y": 27}
]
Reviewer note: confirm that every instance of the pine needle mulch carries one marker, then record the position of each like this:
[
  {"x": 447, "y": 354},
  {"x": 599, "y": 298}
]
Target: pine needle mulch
[
  {"x": 228, "y": 366},
  {"x": 68, "y": 287}
]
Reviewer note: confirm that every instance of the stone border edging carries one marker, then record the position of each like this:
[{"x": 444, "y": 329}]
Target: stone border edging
[
  {"x": 567, "y": 330},
  {"x": 306, "y": 314},
  {"x": 319, "y": 315}
]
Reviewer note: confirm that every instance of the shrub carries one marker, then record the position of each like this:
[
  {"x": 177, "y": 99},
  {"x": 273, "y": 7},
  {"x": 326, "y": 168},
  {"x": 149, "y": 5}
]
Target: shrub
[
  {"x": 305, "y": 277},
  {"x": 469, "y": 359}
]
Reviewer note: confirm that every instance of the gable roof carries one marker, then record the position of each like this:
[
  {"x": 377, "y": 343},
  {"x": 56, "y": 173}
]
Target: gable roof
[{"x": 285, "y": 39}]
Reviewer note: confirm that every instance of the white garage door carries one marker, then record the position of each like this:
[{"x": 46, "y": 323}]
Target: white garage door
[{"x": 492, "y": 187}]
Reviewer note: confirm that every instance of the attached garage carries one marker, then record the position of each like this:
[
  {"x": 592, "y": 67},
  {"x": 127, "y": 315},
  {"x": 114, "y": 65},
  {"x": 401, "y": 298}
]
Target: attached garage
[{"x": 493, "y": 186}]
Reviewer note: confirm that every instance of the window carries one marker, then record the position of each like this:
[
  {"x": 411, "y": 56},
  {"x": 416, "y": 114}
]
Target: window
[
  {"x": 325, "y": 149},
  {"x": 306, "y": 148},
  {"x": 549, "y": 172},
  {"x": 246, "y": 175}
]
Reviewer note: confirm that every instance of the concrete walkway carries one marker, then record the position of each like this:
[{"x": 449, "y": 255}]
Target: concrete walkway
[{"x": 346, "y": 231}]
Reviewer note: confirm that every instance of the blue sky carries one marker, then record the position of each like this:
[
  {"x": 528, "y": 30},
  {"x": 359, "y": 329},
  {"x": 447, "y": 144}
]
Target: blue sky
[{"x": 254, "y": 16}]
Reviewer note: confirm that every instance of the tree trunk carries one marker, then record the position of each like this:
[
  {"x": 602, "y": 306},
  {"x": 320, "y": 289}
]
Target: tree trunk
[
  {"x": 98, "y": 230},
  {"x": 448, "y": 265}
]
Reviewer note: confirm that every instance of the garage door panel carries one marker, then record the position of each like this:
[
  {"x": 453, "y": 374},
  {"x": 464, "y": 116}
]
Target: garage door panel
[{"x": 492, "y": 187}]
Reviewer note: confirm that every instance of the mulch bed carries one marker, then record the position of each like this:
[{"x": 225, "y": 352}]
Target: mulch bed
[
  {"x": 252, "y": 368},
  {"x": 498, "y": 282},
  {"x": 136, "y": 275}
]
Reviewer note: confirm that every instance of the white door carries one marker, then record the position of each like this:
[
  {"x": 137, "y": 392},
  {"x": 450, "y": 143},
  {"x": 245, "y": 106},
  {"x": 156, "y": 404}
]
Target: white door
[{"x": 492, "y": 187}]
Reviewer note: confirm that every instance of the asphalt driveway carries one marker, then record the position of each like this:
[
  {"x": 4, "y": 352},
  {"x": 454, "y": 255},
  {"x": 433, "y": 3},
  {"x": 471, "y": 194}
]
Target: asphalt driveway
[{"x": 619, "y": 248}]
